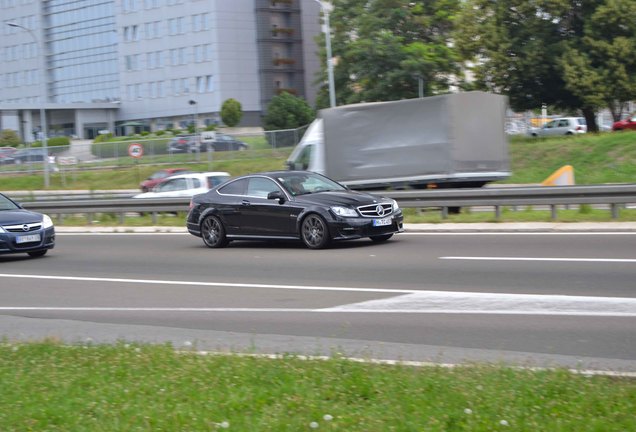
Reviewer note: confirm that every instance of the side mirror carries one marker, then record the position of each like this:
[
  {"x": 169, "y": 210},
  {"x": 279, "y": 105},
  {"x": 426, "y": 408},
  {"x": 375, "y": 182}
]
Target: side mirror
[{"x": 276, "y": 195}]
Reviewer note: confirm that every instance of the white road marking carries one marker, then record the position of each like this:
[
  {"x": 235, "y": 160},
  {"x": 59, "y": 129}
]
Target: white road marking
[
  {"x": 517, "y": 233},
  {"x": 210, "y": 284},
  {"x": 587, "y": 260},
  {"x": 403, "y": 301},
  {"x": 495, "y": 303}
]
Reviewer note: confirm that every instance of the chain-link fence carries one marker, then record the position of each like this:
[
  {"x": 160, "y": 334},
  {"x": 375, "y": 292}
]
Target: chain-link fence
[{"x": 180, "y": 149}]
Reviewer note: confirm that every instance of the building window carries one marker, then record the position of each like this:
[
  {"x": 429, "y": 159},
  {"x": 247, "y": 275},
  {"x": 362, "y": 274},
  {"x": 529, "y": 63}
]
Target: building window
[{"x": 131, "y": 33}]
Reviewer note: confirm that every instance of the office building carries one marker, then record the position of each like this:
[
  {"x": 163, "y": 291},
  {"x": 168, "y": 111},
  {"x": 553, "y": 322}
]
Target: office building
[{"x": 123, "y": 65}]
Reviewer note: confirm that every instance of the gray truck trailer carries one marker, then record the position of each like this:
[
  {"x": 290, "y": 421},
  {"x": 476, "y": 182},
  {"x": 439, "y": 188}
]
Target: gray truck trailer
[{"x": 453, "y": 140}]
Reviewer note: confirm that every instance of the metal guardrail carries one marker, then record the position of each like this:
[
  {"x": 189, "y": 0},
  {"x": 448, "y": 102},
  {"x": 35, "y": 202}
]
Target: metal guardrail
[
  {"x": 612, "y": 195},
  {"x": 444, "y": 199}
]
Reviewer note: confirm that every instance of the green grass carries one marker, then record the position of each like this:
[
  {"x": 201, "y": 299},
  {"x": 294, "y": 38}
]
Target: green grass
[
  {"x": 51, "y": 387},
  {"x": 596, "y": 158}
]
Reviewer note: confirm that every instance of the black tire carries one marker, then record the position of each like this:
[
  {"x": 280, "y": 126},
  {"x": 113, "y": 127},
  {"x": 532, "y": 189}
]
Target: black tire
[
  {"x": 314, "y": 232},
  {"x": 213, "y": 232},
  {"x": 39, "y": 253},
  {"x": 381, "y": 238}
]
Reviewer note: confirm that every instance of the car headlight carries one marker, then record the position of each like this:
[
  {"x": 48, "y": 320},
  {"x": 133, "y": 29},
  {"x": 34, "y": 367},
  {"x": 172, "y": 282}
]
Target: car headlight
[
  {"x": 344, "y": 211},
  {"x": 46, "y": 222},
  {"x": 395, "y": 205},
  {"x": 2, "y": 231}
]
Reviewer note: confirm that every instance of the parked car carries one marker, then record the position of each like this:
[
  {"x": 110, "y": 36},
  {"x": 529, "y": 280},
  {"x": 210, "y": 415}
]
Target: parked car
[
  {"x": 291, "y": 205},
  {"x": 6, "y": 155},
  {"x": 23, "y": 231},
  {"x": 561, "y": 126},
  {"x": 159, "y": 176},
  {"x": 221, "y": 142},
  {"x": 186, "y": 185},
  {"x": 183, "y": 144},
  {"x": 29, "y": 155},
  {"x": 217, "y": 142},
  {"x": 628, "y": 123}
]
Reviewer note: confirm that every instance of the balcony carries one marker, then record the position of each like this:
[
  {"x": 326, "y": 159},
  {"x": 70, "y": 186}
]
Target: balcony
[{"x": 283, "y": 61}]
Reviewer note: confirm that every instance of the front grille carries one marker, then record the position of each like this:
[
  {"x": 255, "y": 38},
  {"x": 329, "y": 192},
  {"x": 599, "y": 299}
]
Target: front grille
[
  {"x": 376, "y": 210},
  {"x": 20, "y": 228}
]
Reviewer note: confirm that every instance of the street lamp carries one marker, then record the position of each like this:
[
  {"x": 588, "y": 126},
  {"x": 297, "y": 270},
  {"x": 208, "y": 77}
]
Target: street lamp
[
  {"x": 44, "y": 99},
  {"x": 327, "y": 29}
]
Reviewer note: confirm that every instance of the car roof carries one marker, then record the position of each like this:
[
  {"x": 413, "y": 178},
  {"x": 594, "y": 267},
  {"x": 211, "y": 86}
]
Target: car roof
[{"x": 199, "y": 175}]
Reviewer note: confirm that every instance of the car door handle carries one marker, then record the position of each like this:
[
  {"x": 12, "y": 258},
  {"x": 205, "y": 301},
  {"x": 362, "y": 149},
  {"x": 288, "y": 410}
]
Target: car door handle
[{"x": 245, "y": 202}]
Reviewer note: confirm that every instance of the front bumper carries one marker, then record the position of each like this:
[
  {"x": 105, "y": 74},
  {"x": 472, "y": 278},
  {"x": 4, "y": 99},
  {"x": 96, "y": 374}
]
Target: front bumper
[
  {"x": 9, "y": 241},
  {"x": 352, "y": 228}
]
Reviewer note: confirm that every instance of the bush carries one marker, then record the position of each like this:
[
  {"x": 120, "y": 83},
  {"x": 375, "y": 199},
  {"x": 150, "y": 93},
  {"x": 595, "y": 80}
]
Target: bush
[
  {"x": 286, "y": 111},
  {"x": 160, "y": 132},
  {"x": 60, "y": 141},
  {"x": 231, "y": 112},
  {"x": 103, "y": 137},
  {"x": 10, "y": 138},
  {"x": 145, "y": 133}
]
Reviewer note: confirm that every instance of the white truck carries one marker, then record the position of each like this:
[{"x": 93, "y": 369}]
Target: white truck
[{"x": 447, "y": 141}]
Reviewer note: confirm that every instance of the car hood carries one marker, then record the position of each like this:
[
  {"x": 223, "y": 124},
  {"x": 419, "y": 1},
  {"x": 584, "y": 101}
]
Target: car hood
[
  {"x": 344, "y": 198},
  {"x": 15, "y": 217},
  {"x": 621, "y": 123}
]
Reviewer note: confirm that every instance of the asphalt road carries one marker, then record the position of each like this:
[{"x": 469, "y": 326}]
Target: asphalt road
[{"x": 530, "y": 299}]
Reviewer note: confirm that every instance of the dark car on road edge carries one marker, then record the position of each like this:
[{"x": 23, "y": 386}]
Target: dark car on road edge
[
  {"x": 24, "y": 231},
  {"x": 291, "y": 205}
]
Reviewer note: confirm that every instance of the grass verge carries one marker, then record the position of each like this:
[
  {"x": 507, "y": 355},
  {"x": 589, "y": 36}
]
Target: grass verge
[{"x": 51, "y": 387}]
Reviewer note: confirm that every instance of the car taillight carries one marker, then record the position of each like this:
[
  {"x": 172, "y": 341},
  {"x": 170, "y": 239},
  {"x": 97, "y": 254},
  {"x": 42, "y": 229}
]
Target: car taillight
[{"x": 579, "y": 128}]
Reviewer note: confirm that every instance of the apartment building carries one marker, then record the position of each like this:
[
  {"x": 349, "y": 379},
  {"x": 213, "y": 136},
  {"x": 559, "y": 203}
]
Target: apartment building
[{"x": 123, "y": 65}]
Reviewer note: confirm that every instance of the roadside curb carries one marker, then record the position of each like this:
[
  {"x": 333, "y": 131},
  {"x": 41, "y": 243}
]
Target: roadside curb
[{"x": 534, "y": 227}]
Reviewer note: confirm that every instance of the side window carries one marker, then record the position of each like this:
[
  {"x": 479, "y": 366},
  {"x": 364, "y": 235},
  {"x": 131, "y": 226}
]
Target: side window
[
  {"x": 305, "y": 157},
  {"x": 564, "y": 123},
  {"x": 237, "y": 187},
  {"x": 196, "y": 183},
  {"x": 173, "y": 185},
  {"x": 551, "y": 124},
  {"x": 261, "y": 187},
  {"x": 215, "y": 181}
]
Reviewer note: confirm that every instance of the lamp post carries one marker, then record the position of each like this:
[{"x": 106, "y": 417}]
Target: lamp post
[
  {"x": 327, "y": 29},
  {"x": 42, "y": 68}
]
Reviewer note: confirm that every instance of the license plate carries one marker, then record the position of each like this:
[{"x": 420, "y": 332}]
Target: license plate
[
  {"x": 382, "y": 222},
  {"x": 28, "y": 238}
]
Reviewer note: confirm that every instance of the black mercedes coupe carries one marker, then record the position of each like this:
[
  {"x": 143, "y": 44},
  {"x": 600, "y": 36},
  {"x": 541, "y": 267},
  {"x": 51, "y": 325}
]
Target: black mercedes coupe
[
  {"x": 24, "y": 231},
  {"x": 291, "y": 205}
]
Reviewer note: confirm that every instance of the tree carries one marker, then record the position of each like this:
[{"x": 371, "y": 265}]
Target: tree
[
  {"x": 558, "y": 52},
  {"x": 9, "y": 137},
  {"x": 231, "y": 112},
  {"x": 385, "y": 47},
  {"x": 286, "y": 111}
]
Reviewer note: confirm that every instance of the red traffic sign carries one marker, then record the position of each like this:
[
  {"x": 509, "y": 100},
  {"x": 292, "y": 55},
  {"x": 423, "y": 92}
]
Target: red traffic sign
[{"x": 136, "y": 150}]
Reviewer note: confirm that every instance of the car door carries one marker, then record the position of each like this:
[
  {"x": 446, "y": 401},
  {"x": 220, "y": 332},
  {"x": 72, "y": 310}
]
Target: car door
[
  {"x": 265, "y": 217},
  {"x": 229, "y": 205},
  {"x": 549, "y": 128},
  {"x": 172, "y": 188}
]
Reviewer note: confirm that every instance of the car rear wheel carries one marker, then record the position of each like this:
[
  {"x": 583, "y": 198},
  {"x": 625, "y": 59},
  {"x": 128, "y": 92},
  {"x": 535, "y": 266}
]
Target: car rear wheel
[
  {"x": 38, "y": 253},
  {"x": 213, "y": 232},
  {"x": 381, "y": 238},
  {"x": 314, "y": 232}
]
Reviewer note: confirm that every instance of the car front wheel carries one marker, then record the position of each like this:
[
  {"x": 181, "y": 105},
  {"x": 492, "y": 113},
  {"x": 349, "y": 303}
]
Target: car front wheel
[
  {"x": 314, "y": 232},
  {"x": 213, "y": 232}
]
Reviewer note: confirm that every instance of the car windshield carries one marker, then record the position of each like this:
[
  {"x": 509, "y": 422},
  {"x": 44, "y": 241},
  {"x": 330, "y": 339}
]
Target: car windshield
[
  {"x": 7, "y": 204},
  {"x": 307, "y": 183}
]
